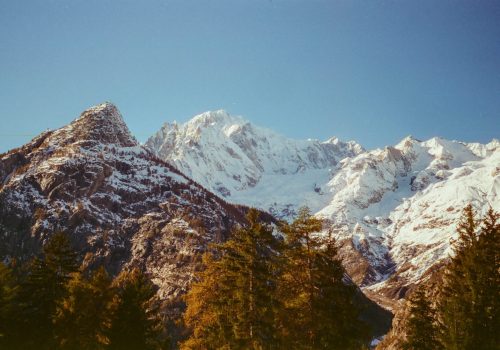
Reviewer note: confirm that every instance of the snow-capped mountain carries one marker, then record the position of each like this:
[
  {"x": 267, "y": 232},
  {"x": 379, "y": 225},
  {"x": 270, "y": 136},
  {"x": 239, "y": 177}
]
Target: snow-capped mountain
[
  {"x": 121, "y": 205},
  {"x": 400, "y": 205},
  {"x": 394, "y": 210},
  {"x": 249, "y": 164}
]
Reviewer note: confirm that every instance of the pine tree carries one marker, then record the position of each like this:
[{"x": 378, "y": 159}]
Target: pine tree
[
  {"x": 233, "y": 305},
  {"x": 83, "y": 315},
  {"x": 208, "y": 315},
  {"x": 44, "y": 287},
  {"x": 469, "y": 305},
  {"x": 422, "y": 332},
  {"x": 8, "y": 308},
  {"x": 319, "y": 305},
  {"x": 134, "y": 322},
  {"x": 486, "y": 291},
  {"x": 455, "y": 309}
]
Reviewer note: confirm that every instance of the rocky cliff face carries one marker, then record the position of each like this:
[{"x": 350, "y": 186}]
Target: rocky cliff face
[
  {"x": 121, "y": 205},
  {"x": 394, "y": 210}
]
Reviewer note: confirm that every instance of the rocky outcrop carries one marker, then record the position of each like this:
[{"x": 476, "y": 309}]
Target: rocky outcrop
[{"x": 120, "y": 204}]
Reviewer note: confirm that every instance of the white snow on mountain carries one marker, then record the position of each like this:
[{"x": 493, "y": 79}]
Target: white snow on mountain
[
  {"x": 121, "y": 205},
  {"x": 398, "y": 205},
  {"x": 250, "y": 164}
]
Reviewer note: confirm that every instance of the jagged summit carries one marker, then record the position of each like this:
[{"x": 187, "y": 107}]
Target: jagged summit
[
  {"x": 102, "y": 123},
  {"x": 120, "y": 204},
  {"x": 352, "y": 146},
  {"x": 101, "y": 112},
  {"x": 217, "y": 116},
  {"x": 407, "y": 142},
  {"x": 234, "y": 158}
]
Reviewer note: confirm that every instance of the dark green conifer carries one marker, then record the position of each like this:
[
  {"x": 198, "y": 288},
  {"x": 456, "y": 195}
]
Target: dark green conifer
[
  {"x": 455, "y": 307},
  {"x": 134, "y": 322},
  {"x": 422, "y": 332},
  {"x": 8, "y": 308},
  {"x": 486, "y": 292},
  {"x": 83, "y": 316},
  {"x": 44, "y": 287},
  {"x": 469, "y": 303},
  {"x": 319, "y": 302}
]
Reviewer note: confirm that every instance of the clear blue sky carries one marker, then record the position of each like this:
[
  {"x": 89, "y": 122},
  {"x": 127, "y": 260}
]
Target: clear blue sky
[{"x": 372, "y": 71}]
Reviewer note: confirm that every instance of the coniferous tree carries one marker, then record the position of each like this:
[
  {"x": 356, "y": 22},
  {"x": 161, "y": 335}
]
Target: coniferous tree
[
  {"x": 208, "y": 315},
  {"x": 82, "y": 318},
  {"x": 486, "y": 291},
  {"x": 469, "y": 303},
  {"x": 455, "y": 306},
  {"x": 134, "y": 322},
  {"x": 8, "y": 308},
  {"x": 422, "y": 332},
  {"x": 319, "y": 303},
  {"x": 234, "y": 304},
  {"x": 44, "y": 287}
]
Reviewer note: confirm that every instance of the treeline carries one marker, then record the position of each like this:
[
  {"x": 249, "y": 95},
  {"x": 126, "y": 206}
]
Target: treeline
[
  {"x": 52, "y": 303},
  {"x": 258, "y": 290},
  {"x": 464, "y": 313}
]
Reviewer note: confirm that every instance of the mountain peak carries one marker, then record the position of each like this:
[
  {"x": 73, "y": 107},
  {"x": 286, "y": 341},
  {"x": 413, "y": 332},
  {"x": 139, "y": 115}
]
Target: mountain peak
[
  {"x": 408, "y": 143},
  {"x": 215, "y": 117},
  {"x": 102, "y": 123}
]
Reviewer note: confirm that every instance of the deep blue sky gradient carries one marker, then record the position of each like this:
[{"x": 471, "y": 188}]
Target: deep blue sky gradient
[{"x": 372, "y": 71}]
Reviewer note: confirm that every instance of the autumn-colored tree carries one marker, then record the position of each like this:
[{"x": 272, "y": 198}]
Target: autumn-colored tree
[
  {"x": 234, "y": 305},
  {"x": 319, "y": 308}
]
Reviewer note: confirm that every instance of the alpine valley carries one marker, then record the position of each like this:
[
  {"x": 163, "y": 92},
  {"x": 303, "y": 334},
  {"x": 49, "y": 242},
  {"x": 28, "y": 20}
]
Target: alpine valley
[
  {"x": 394, "y": 211},
  {"x": 157, "y": 206}
]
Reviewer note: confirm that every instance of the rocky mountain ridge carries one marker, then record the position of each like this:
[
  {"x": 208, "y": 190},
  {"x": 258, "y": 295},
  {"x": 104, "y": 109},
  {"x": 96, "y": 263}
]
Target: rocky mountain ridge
[
  {"x": 121, "y": 205},
  {"x": 393, "y": 210}
]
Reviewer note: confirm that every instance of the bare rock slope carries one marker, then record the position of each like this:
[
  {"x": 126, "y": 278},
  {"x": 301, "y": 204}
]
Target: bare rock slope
[{"x": 121, "y": 205}]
